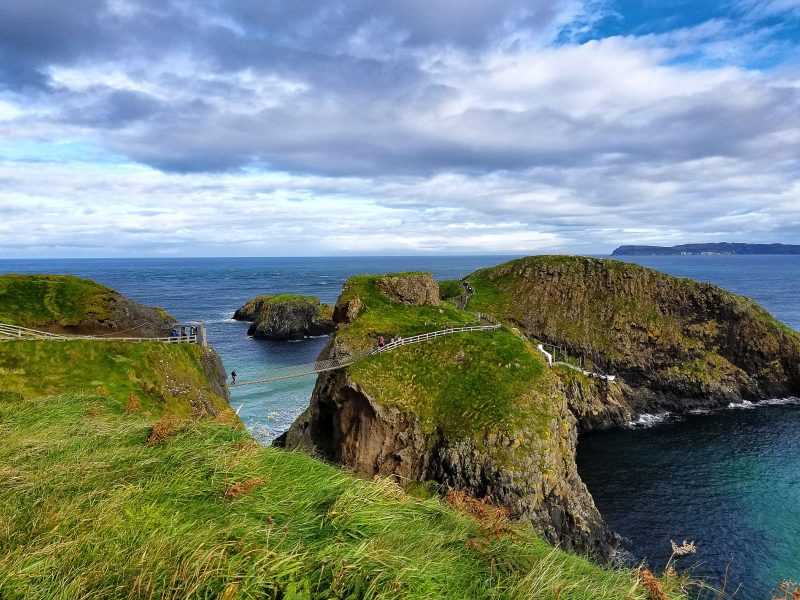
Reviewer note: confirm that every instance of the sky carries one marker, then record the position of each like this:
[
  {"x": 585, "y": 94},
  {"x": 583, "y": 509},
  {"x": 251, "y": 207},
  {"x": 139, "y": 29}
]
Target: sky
[{"x": 346, "y": 127}]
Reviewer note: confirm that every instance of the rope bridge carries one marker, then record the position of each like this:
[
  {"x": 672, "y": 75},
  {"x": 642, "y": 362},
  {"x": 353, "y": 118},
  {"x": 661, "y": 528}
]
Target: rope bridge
[
  {"x": 15, "y": 332},
  {"x": 337, "y": 363}
]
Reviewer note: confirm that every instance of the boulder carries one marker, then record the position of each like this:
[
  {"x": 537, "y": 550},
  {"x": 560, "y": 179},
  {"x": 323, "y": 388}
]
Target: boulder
[{"x": 413, "y": 289}]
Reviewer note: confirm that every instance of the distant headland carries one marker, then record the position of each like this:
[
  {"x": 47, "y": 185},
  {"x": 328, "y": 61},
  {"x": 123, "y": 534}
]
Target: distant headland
[{"x": 720, "y": 248}]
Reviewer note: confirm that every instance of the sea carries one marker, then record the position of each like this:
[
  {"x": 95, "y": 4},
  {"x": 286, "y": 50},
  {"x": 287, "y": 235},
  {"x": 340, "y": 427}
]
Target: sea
[{"x": 729, "y": 481}]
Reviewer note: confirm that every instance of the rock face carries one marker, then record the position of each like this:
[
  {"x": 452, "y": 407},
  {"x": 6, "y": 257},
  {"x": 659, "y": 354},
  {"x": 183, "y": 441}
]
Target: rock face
[
  {"x": 344, "y": 425},
  {"x": 215, "y": 372},
  {"x": 286, "y": 317},
  {"x": 66, "y": 304},
  {"x": 416, "y": 289},
  {"x": 530, "y": 470},
  {"x": 132, "y": 319},
  {"x": 674, "y": 344}
]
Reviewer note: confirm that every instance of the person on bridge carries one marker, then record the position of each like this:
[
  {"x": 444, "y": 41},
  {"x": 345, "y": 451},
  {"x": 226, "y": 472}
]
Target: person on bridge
[{"x": 233, "y": 377}]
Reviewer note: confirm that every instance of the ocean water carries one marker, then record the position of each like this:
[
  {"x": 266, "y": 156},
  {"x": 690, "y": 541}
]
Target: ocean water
[{"x": 729, "y": 481}]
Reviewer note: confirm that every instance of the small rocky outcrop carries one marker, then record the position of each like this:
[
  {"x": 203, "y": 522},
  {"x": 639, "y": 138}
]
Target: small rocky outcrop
[
  {"x": 286, "y": 317},
  {"x": 415, "y": 289}
]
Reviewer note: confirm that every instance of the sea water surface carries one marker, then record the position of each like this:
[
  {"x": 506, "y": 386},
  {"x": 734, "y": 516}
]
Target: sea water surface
[{"x": 730, "y": 481}]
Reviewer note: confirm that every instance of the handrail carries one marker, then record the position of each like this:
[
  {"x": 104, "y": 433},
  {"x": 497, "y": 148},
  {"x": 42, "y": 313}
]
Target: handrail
[
  {"x": 338, "y": 363},
  {"x": 17, "y": 332}
]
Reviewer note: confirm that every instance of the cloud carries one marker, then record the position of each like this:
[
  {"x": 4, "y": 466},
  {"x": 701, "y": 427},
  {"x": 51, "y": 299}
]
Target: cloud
[{"x": 279, "y": 128}]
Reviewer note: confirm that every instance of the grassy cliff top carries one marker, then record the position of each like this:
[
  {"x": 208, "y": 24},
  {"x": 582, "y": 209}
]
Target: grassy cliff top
[
  {"x": 164, "y": 378},
  {"x": 31, "y": 300},
  {"x": 107, "y": 498},
  {"x": 259, "y": 303},
  {"x": 647, "y": 323},
  {"x": 467, "y": 384}
]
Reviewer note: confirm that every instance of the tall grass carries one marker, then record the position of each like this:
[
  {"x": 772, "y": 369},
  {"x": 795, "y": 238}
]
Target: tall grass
[{"x": 91, "y": 510}]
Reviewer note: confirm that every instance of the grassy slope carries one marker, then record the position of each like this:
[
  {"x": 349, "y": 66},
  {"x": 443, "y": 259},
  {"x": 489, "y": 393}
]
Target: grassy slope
[
  {"x": 592, "y": 316},
  {"x": 31, "y": 300},
  {"x": 150, "y": 370},
  {"x": 467, "y": 384},
  {"x": 92, "y": 510}
]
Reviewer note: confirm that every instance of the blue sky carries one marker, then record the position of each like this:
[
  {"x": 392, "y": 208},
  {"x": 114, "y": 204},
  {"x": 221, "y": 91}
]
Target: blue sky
[{"x": 244, "y": 127}]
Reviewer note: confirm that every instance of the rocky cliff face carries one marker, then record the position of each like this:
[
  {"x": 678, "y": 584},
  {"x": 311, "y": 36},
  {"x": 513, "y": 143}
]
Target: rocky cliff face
[
  {"x": 286, "y": 317},
  {"x": 344, "y": 425},
  {"x": 674, "y": 344},
  {"x": 414, "y": 289},
  {"x": 526, "y": 464}
]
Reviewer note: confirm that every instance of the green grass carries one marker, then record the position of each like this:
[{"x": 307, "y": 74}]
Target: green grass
[
  {"x": 91, "y": 510},
  {"x": 382, "y": 317},
  {"x": 165, "y": 377},
  {"x": 37, "y": 300},
  {"x": 325, "y": 310},
  {"x": 465, "y": 383},
  {"x": 450, "y": 288}
]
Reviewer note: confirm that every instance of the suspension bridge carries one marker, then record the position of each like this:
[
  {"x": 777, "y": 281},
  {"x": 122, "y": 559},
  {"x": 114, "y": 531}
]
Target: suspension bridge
[{"x": 486, "y": 323}]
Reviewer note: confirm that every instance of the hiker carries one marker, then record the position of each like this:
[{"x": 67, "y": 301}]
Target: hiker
[
  {"x": 174, "y": 333},
  {"x": 381, "y": 342},
  {"x": 233, "y": 377}
]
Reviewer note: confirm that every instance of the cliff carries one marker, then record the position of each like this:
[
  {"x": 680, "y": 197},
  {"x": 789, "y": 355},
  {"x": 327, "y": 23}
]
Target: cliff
[
  {"x": 286, "y": 317},
  {"x": 66, "y": 304},
  {"x": 127, "y": 447},
  {"x": 674, "y": 344},
  {"x": 471, "y": 411}
]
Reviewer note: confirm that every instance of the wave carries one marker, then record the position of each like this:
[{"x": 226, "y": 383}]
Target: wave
[
  {"x": 744, "y": 404},
  {"x": 780, "y": 401},
  {"x": 646, "y": 420}
]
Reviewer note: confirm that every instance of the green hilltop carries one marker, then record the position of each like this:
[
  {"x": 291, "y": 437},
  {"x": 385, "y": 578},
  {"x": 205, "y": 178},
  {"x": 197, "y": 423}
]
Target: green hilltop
[{"x": 36, "y": 300}]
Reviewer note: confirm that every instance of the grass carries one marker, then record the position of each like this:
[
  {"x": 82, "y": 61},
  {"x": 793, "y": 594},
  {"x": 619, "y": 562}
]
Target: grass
[
  {"x": 37, "y": 300},
  {"x": 591, "y": 304},
  {"x": 165, "y": 378},
  {"x": 382, "y": 317},
  {"x": 325, "y": 310},
  {"x": 450, "y": 288},
  {"x": 465, "y": 383},
  {"x": 92, "y": 510}
]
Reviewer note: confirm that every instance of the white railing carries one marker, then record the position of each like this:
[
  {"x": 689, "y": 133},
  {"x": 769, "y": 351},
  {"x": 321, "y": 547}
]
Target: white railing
[
  {"x": 551, "y": 360},
  {"x": 323, "y": 366},
  {"x": 15, "y": 332}
]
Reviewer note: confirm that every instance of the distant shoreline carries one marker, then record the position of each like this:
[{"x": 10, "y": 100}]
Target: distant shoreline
[{"x": 713, "y": 249}]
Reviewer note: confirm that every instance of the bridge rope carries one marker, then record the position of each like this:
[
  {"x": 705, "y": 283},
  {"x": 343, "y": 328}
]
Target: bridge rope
[{"x": 337, "y": 363}]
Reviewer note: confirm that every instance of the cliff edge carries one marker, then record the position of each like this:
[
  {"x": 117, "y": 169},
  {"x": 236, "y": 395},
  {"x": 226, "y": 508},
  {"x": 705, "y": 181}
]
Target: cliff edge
[
  {"x": 674, "y": 344},
  {"x": 476, "y": 411}
]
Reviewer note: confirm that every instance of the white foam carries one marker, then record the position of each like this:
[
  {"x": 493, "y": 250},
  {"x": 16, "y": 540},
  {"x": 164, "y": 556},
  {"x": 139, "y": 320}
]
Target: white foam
[
  {"x": 744, "y": 404},
  {"x": 700, "y": 411},
  {"x": 780, "y": 401},
  {"x": 650, "y": 420}
]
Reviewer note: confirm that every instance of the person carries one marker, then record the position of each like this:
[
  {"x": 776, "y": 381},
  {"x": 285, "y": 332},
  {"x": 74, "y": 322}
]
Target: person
[
  {"x": 233, "y": 377},
  {"x": 174, "y": 333},
  {"x": 381, "y": 342}
]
